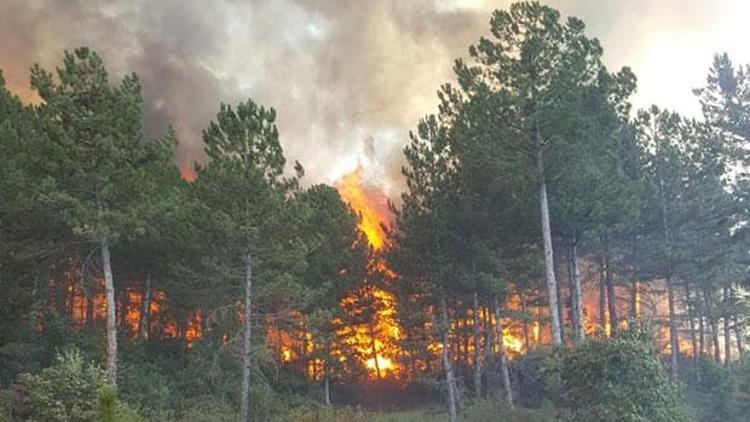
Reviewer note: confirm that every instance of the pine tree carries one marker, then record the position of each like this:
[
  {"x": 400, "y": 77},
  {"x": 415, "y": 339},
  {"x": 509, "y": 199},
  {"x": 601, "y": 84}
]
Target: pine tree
[
  {"x": 103, "y": 162},
  {"x": 243, "y": 185}
]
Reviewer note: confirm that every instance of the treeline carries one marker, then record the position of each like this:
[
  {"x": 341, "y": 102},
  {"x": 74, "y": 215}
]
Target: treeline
[
  {"x": 535, "y": 165},
  {"x": 100, "y": 233},
  {"x": 242, "y": 293}
]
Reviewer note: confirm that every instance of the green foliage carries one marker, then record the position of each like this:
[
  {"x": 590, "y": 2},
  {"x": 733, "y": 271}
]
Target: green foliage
[
  {"x": 620, "y": 379},
  {"x": 708, "y": 391},
  {"x": 209, "y": 409},
  {"x": 144, "y": 385},
  {"x": 67, "y": 391},
  {"x": 497, "y": 410}
]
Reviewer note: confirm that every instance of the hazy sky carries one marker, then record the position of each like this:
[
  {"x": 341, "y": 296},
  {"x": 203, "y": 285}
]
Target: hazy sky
[{"x": 348, "y": 78}]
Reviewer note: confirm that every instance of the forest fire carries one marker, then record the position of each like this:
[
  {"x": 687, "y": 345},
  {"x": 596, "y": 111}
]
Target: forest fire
[
  {"x": 369, "y": 201},
  {"x": 379, "y": 336}
]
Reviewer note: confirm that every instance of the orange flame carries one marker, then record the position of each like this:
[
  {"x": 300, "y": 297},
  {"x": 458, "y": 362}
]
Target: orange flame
[
  {"x": 379, "y": 339},
  {"x": 369, "y": 201},
  {"x": 188, "y": 174}
]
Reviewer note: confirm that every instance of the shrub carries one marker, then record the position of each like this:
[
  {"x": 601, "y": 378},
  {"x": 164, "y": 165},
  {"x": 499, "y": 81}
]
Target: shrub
[
  {"x": 209, "y": 409},
  {"x": 708, "y": 391},
  {"x": 144, "y": 385},
  {"x": 618, "y": 380},
  {"x": 67, "y": 391}
]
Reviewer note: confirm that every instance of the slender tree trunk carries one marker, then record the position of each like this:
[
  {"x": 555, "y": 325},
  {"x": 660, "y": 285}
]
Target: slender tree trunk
[
  {"x": 603, "y": 298},
  {"x": 503, "y": 357},
  {"x": 109, "y": 287},
  {"x": 577, "y": 293},
  {"x": 712, "y": 323},
  {"x": 611, "y": 294},
  {"x": 549, "y": 260},
  {"x": 674, "y": 341},
  {"x": 634, "y": 294},
  {"x": 526, "y": 316},
  {"x": 327, "y": 375},
  {"x": 373, "y": 346},
  {"x": 245, "y": 395},
  {"x": 447, "y": 365},
  {"x": 572, "y": 304},
  {"x": 477, "y": 348},
  {"x": 489, "y": 348},
  {"x": 738, "y": 330},
  {"x": 727, "y": 333},
  {"x": 701, "y": 324},
  {"x": 691, "y": 318},
  {"x": 562, "y": 304},
  {"x": 90, "y": 295},
  {"x": 145, "y": 310}
]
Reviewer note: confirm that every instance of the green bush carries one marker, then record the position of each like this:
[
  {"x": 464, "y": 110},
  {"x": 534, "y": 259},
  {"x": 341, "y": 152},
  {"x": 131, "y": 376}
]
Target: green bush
[
  {"x": 618, "y": 380},
  {"x": 708, "y": 391},
  {"x": 144, "y": 385},
  {"x": 70, "y": 390},
  {"x": 209, "y": 409},
  {"x": 67, "y": 391}
]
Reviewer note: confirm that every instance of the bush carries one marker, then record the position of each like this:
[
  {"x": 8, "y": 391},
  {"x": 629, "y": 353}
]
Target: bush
[
  {"x": 708, "y": 391},
  {"x": 618, "y": 380},
  {"x": 66, "y": 391},
  {"x": 144, "y": 385},
  {"x": 209, "y": 409},
  {"x": 69, "y": 391}
]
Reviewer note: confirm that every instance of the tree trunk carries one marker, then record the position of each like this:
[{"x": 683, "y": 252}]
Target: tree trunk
[
  {"x": 327, "y": 375},
  {"x": 489, "y": 348},
  {"x": 674, "y": 341},
  {"x": 712, "y": 323},
  {"x": 109, "y": 287},
  {"x": 738, "y": 331},
  {"x": 727, "y": 334},
  {"x": 526, "y": 316},
  {"x": 634, "y": 294},
  {"x": 577, "y": 293},
  {"x": 90, "y": 295},
  {"x": 701, "y": 324},
  {"x": 245, "y": 394},
  {"x": 477, "y": 348},
  {"x": 691, "y": 318},
  {"x": 603, "y": 298},
  {"x": 562, "y": 304},
  {"x": 611, "y": 294},
  {"x": 145, "y": 310},
  {"x": 503, "y": 358},
  {"x": 549, "y": 260},
  {"x": 449, "y": 378},
  {"x": 571, "y": 302}
]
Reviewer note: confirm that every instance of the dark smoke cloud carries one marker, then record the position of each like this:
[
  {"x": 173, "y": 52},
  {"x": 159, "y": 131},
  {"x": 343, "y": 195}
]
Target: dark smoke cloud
[{"x": 348, "y": 78}]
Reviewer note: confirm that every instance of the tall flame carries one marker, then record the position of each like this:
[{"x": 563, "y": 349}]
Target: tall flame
[
  {"x": 382, "y": 335},
  {"x": 369, "y": 201}
]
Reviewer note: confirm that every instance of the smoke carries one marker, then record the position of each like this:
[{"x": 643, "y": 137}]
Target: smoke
[{"x": 347, "y": 78}]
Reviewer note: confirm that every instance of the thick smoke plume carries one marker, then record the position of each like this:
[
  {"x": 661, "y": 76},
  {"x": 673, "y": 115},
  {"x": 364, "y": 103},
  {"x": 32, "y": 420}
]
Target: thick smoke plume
[{"x": 348, "y": 78}]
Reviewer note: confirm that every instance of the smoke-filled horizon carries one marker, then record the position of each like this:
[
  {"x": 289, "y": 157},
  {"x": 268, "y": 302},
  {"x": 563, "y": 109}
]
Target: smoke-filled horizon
[{"x": 348, "y": 79}]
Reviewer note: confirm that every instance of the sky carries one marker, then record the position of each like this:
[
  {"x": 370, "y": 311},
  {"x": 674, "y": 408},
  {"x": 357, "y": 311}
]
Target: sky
[{"x": 348, "y": 78}]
